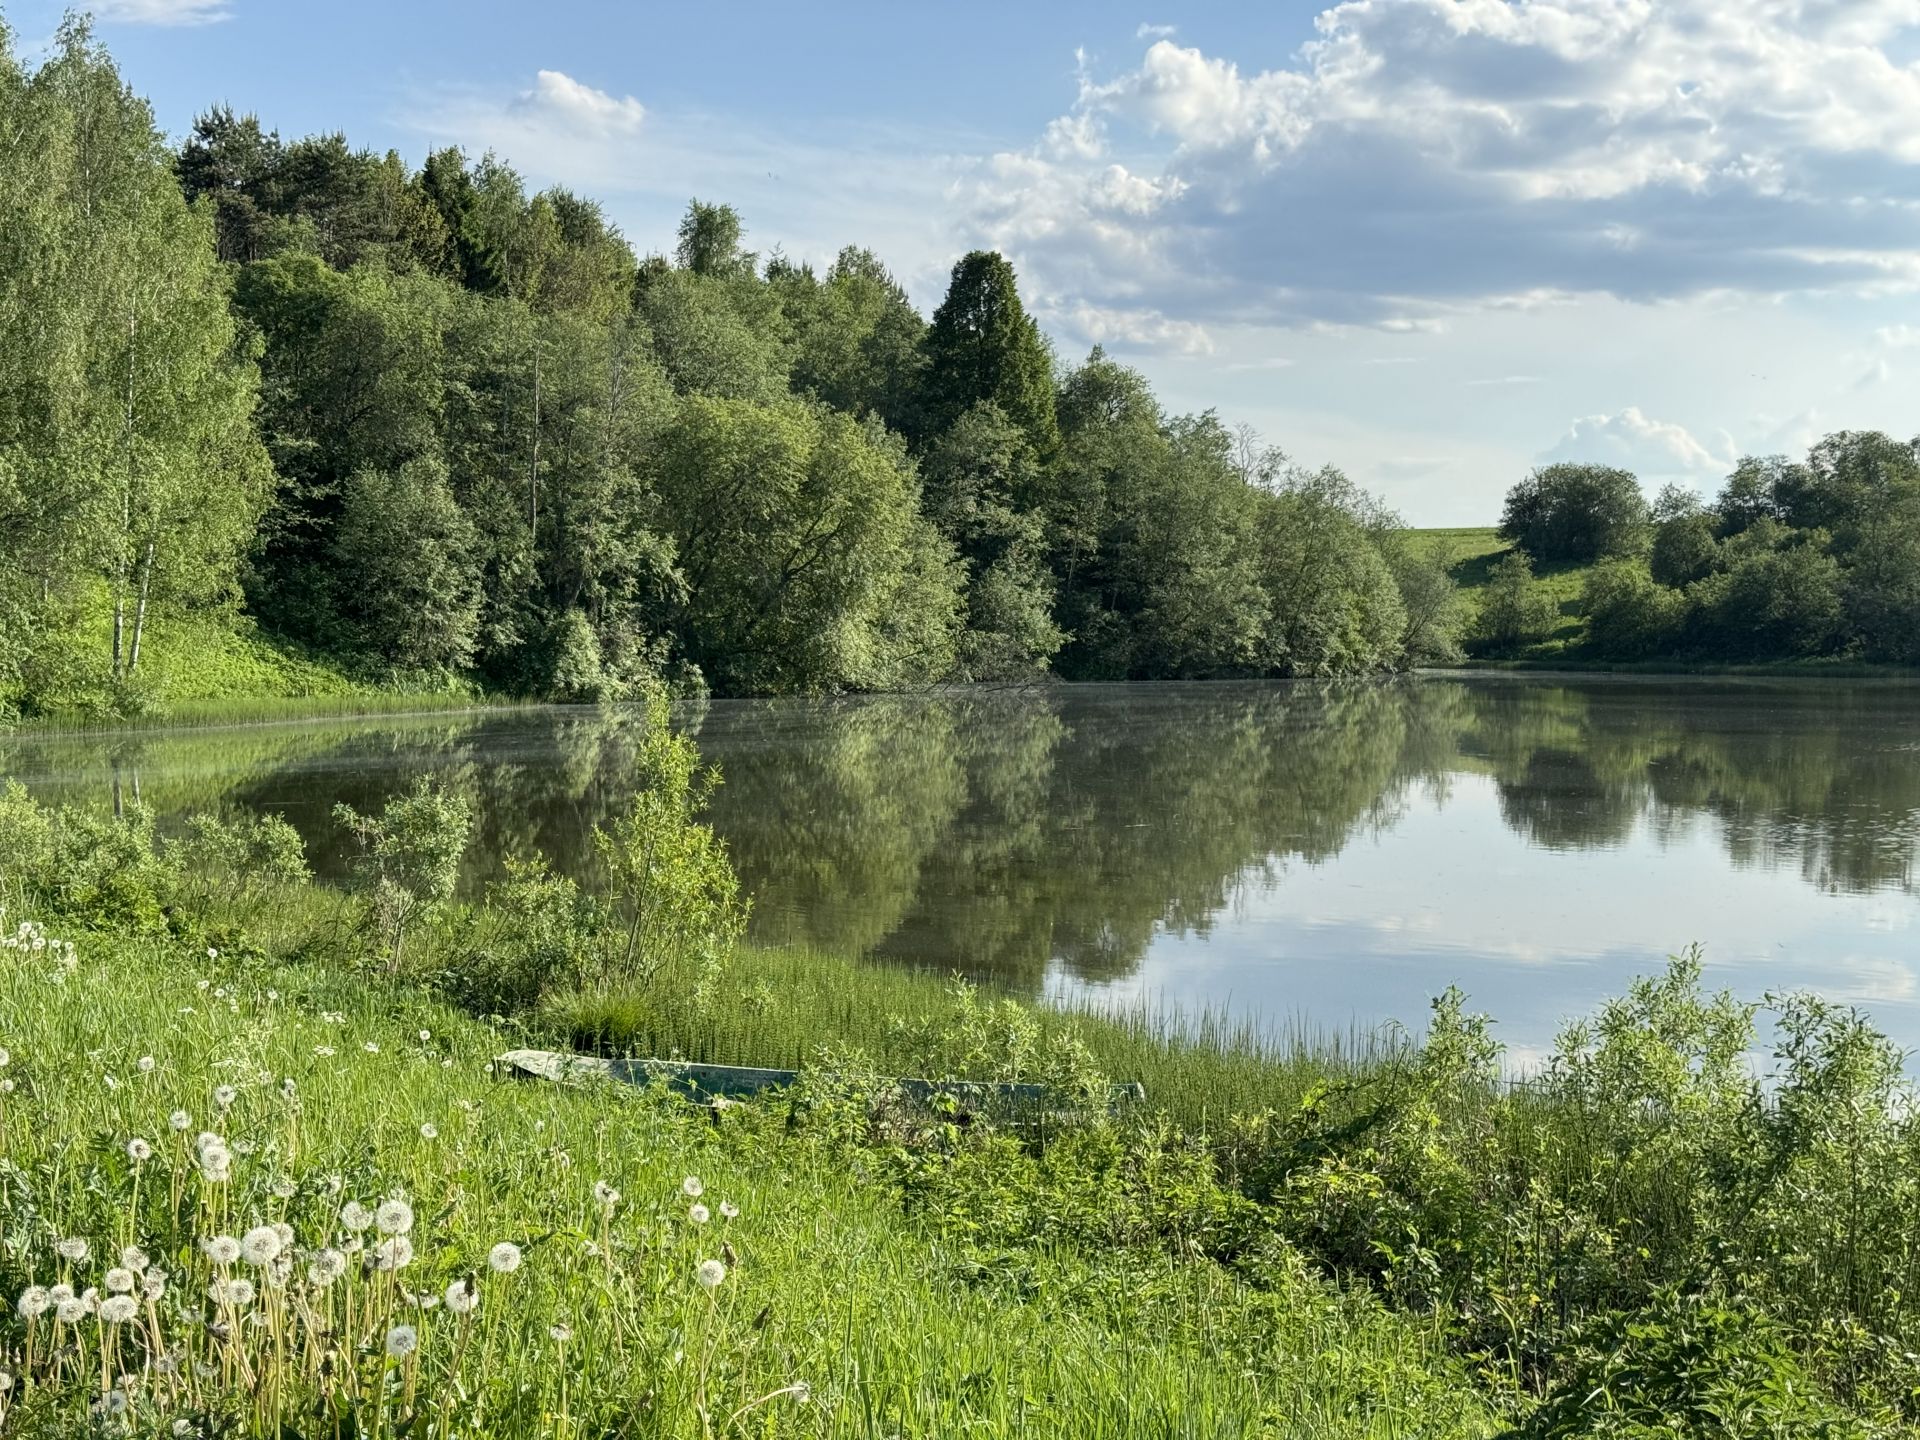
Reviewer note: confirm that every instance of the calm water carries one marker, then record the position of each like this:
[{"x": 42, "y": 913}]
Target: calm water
[{"x": 1337, "y": 854}]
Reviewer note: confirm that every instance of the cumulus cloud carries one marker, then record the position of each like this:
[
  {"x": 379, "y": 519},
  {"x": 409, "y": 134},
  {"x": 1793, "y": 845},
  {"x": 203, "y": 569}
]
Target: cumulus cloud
[
  {"x": 162, "y": 12},
  {"x": 558, "y": 97},
  {"x": 1129, "y": 329},
  {"x": 1635, "y": 441},
  {"x": 1423, "y": 156}
]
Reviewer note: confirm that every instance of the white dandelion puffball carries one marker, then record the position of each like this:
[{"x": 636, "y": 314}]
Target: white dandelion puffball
[
  {"x": 121, "y": 1280},
  {"x": 71, "y": 1248},
  {"x": 402, "y": 1341},
  {"x": 70, "y": 1311},
  {"x": 328, "y": 1266},
  {"x": 692, "y": 1188},
  {"x": 605, "y": 1194},
  {"x": 462, "y": 1298},
  {"x": 33, "y": 1302},
  {"x": 562, "y": 1333},
  {"x": 222, "y": 1249},
  {"x": 134, "y": 1258},
  {"x": 119, "y": 1309},
  {"x": 429, "y": 1132},
  {"x": 225, "y": 1095},
  {"x": 231, "y": 1292},
  {"x": 355, "y": 1216},
  {"x": 180, "y": 1120},
  {"x": 710, "y": 1273},
  {"x": 699, "y": 1214},
  {"x": 6, "y": 1057},
  {"x": 144, "y": 1064},
  {"x": 504, "y": 1258},
  {"x": 153, "y": 1284},
  {"x": 394, "y": 1254},
  {"x": 729, "y": 1210},
  {"x": 394, "y": 1217},
  {"x": 139, "y": 1151},
  {"x": 59, "y": 1293},
  {"x": 261, "y": 1245}
]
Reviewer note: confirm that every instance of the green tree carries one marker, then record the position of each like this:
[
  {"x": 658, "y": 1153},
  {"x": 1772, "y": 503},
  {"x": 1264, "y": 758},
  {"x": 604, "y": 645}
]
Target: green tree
[
  {"x": 408, "y": 858},
  {"x": 1629, "y": 614},
  {"x": 857, "y": 341},
  {"x": 1685, "y": 547},
  {"x": 1333, "y": 602},
  {"x": 982, "y": 345},
  {"x": 1515, "y": 610},
  {"x": 709, "y": 242},
  {"x": 1576, "y": 513},
  {"x": 405, "y": 568}
]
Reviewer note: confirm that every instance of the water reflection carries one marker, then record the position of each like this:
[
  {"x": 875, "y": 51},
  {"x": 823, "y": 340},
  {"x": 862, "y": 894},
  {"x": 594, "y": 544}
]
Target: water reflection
[{"x": 1071, "y": 837}]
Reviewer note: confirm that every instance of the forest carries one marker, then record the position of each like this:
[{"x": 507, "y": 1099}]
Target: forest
[{"x": 430, "y": 428}]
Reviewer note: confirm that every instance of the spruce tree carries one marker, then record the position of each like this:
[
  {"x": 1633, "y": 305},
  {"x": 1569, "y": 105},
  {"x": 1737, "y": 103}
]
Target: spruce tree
[{"x": 984, "y": 346}]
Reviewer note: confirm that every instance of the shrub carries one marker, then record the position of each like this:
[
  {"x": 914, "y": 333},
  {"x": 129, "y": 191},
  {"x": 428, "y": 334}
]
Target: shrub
[
  {"x": 1576, "y": 513},
  {"x": 409, "y": 858},
  {"x": 1515, "y": 611},
  {"x": 1629, "y": 614}
]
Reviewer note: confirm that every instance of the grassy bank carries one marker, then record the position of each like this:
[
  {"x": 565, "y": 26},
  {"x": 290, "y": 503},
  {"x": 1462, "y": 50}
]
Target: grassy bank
[{"x": 1470, "y": 555}]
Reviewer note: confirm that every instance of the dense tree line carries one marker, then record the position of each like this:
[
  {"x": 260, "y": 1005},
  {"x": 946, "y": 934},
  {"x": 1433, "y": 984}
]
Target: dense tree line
[
  {"x": 1791, "y": 560},
  {"x": 429, "y": 424}
]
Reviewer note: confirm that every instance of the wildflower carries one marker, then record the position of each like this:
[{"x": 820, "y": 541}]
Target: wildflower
[
  {"x": 328, "y": 1266},
  {"x": 562, "y": 1333},
  {"x": 71, "y": 1248},
  {"x": 691, "y": 1187},
  {"x": 504, "y": 1258},
  {"x": 119, "y": 1309},
  {"x": 425, "y": 1035},
  {"x": 605, "y": 1195},
  {"x": 34, "y": 1302},
  {"x": 120, "y": 1280},
  {"x": 698, "y": 1214},
  {"x": 70, "y": 1311},
  {"x": 139, "y": 1151},
  {"x": 710, "y": 1273},
  {"x": 134, "y": 1258},
  {"x": 394, "y": 1217},
  {"x": 729, "y": 1210},
  {"x": 462, "y": 1298},
  {"x": 402, "y": 1341},
  {"x": 355, "y": 1216},
  {"x": 180, "y": 1120},
  {"x": 429, "y": 1132},
  {"x": 222, "y": 1249},
  {"x": 114, "y": 1402},
  {"x": 59, "y": 1293},
  {"x": 394, "y": 1254},
  {"x": 212, "y": 953},
  {"x": 225, "y": 1095},
  {"x": 230, "y": 1292},
  {"x": 325, "y": 1052},
  {"x": 260, "y": 1245},
  {"x": 153, "y": 1284}
]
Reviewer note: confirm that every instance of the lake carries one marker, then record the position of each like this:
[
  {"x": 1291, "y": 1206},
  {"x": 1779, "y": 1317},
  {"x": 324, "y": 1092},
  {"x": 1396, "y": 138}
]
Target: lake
[{"x": 1333, "y": 854}]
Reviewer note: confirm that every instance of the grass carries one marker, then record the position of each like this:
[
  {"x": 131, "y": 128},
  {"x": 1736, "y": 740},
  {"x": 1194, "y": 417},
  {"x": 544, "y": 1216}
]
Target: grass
[
  {"x": 839, "y": 1313},
  {"x": 1470, "y": 555}
]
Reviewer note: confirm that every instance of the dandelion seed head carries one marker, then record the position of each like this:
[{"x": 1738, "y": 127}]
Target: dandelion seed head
[
  {"x": 225, "y": 1095},
  {"x": 6, "y": 1057},
  {"x": 222, "y": 1249},
  {"x": 139, "y": 1151},
  {"x": 236, "y": 1293},
  {"x": 355, "y": 1216},
  {"x": 394, "y": 1217},
  {"x": 153, "y": 1284},
  {"x": 119, "y": 1309},
  {"x": 462, "y": 1298},
  {"x": 34, "y": 1302},
  {"x": 70, "y": 1311},
  {"x": 710, "y": 1273},
  {"x": 134, "y": 1258},
  {"x": 698, "y": 1214},
  {"x": 328, "y": 1266},
  {"x": 71, "y": 1248},
  {"x": 504, "y": 1258},
  {"x": 729, "y": 1210},
  {"x": 692, "y": 1188},
  {"x": 121, "y": 1280},
  {"x": 393, "y": 1254},
  {"x": 59, "y": 1293},
  {"x": 260, "y": 1245},
  {"x": 606, "y": 1196},
  {"x": 429, "y": 1132},
  {"x": 402, "y": 1341},
  {"x": 180, "y": 1120},
  {"x": 562, "y": 1333},
  {"x": 282, "y": 1188},
  {"x": 371, "y": 1048}
]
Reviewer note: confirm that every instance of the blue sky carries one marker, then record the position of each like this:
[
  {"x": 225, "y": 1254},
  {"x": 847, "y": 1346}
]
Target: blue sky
[{"x": 1434, "y": 242}]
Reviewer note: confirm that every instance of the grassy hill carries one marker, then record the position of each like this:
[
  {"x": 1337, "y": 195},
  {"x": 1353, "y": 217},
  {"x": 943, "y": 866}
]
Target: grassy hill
[{"x": 1472, "y": 552}]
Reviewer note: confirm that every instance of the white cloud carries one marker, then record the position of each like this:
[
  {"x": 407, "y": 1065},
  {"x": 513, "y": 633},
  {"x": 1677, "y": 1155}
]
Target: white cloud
[
  {"x": 1130, "y": 329},
  {"x": 1637, "y": 442},
  {"x": 561, "y": 99},
  {"x": 1898, "y": 337},
  {"x": 1503, "y": 381},
  {"x": 1418, "y": 157},
  {"x": 162, "y": 12},
  {"x": 1155, "y": 32}
]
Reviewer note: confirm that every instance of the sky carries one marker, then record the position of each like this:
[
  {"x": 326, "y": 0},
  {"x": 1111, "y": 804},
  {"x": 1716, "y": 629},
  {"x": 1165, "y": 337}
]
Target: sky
[{"x": 1433, "y": 242}]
